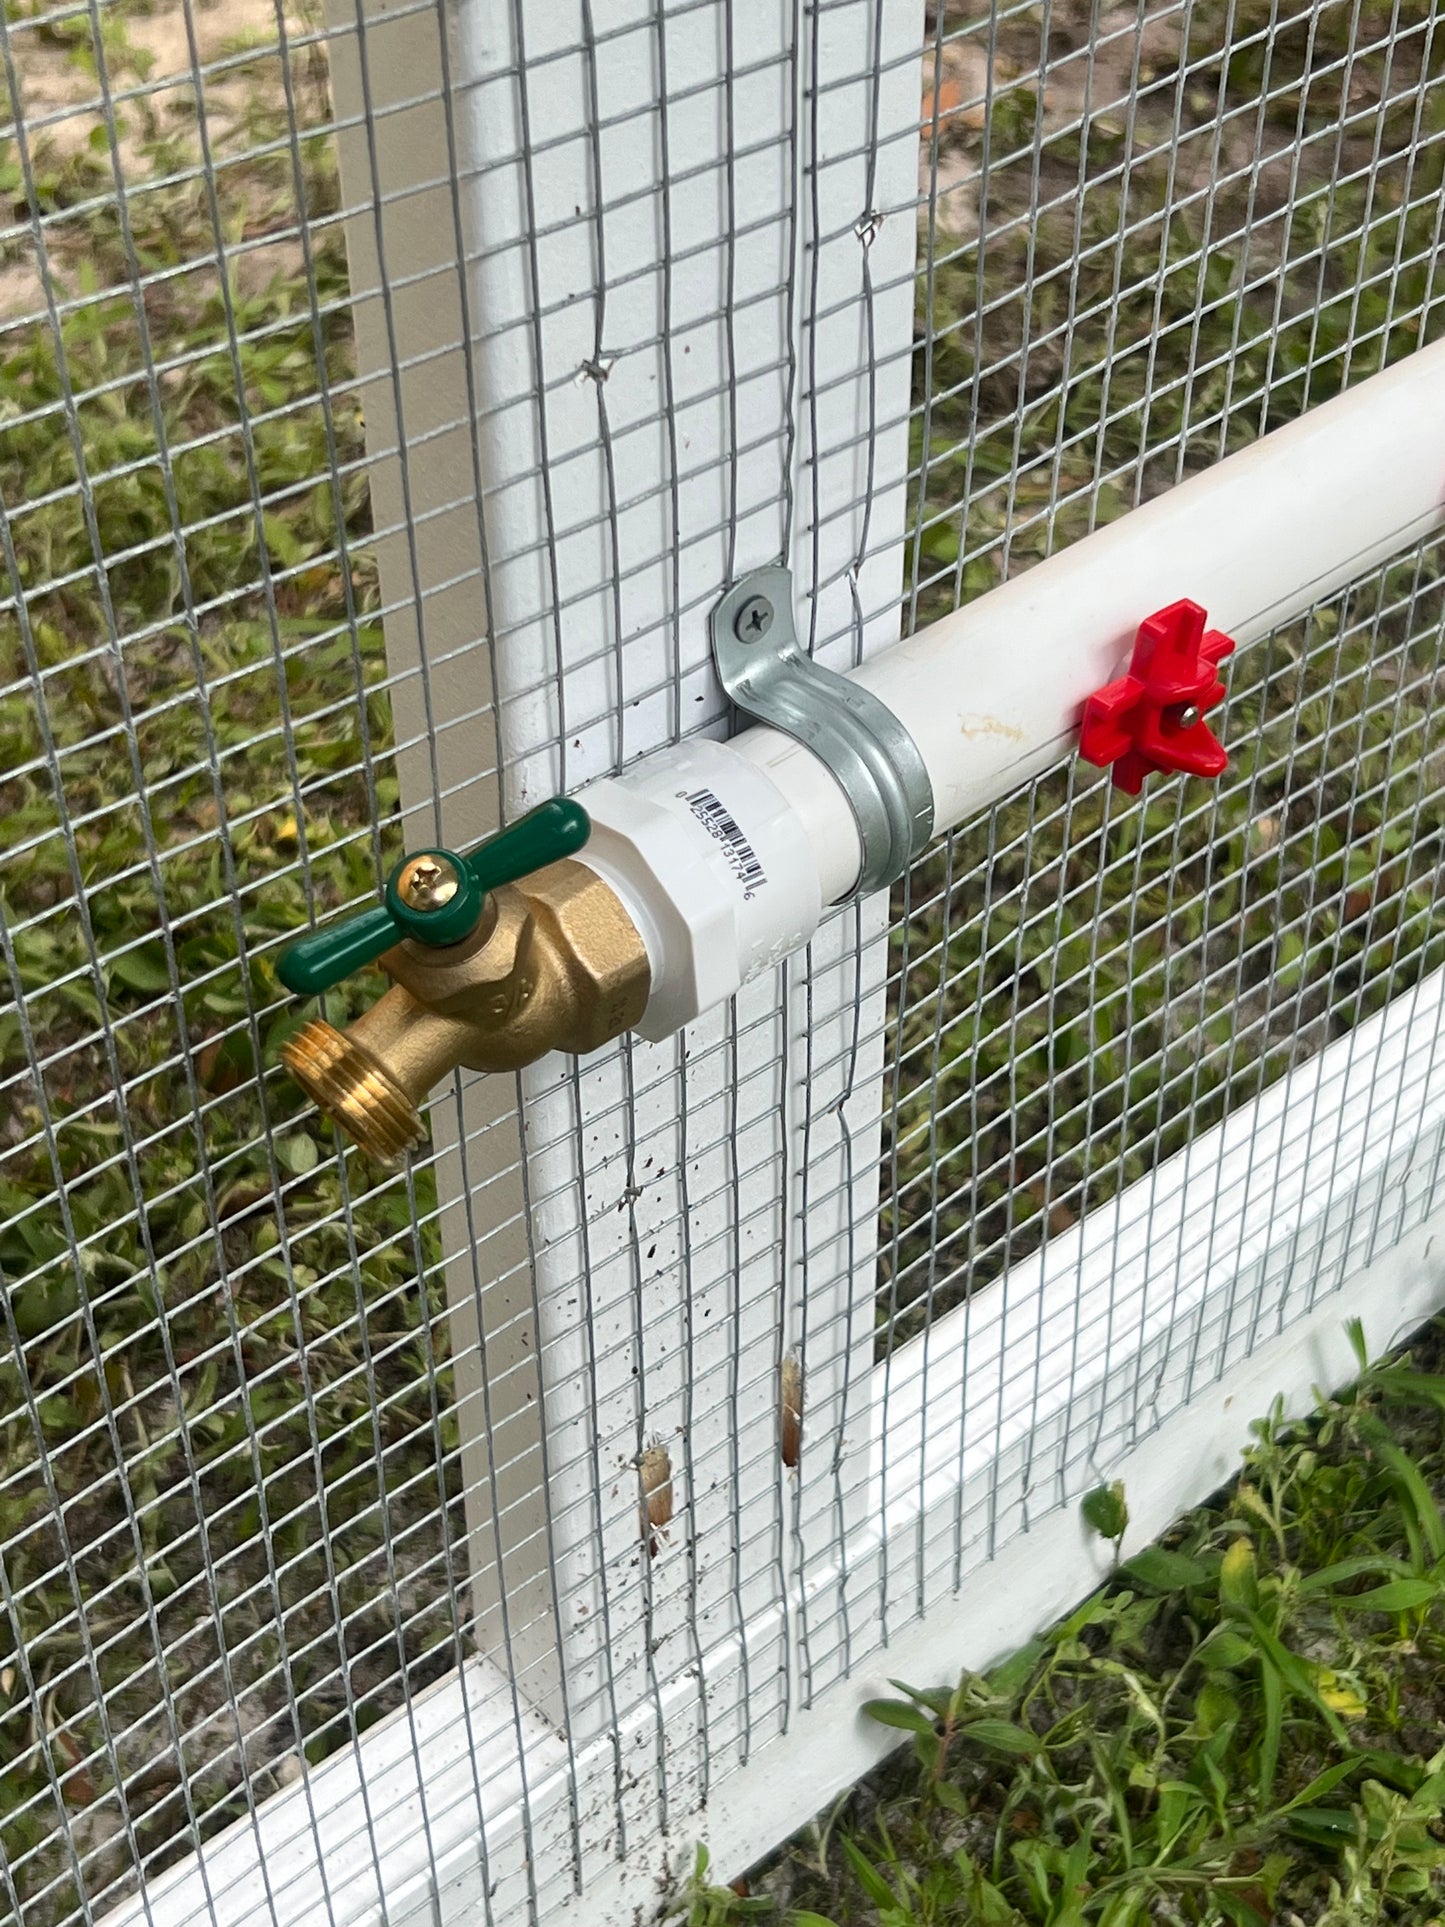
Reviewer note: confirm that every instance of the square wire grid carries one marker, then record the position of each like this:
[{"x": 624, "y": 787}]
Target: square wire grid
[
  {"x": 1146, "y": 236},
  {"x": 229, "y": 1498},
  {"x": 1151, "y": 237}
]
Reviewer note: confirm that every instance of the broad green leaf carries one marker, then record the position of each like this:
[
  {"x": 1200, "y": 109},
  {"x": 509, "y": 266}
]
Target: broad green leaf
[
  {"x": 1339, "y": 1695},
  {"x": 948, "y": 1795},
  {"x": 297, "y": 1154},
  {"x": 1164, "y": 1571},
  {"x": 1322, "y": 1783},
  {"x": 868, "y": 1877},
  {"x": 1097, "y": 1606},
  {"x": 1329, "y": 1826},
  {"x": 935, "y": 1698},
  {"x": 989, "y": 1907},
  {"x": 1009, "y": 1677},
  {"x": 1289, "y": 961},
  {"x": 1216, "y": 1706},
  {"x": 1294, "y": 1673},
  {"x": 1414, "y": 1491},
  {"x": 1226, "y": 1649},
  {"x": 1002, "y": 1736},
  {"x": 1177, "y": 1800},
  {"x": 1429, "y": 1796},
  {"x": 1238, "y": 1580},
  {"x": 1398, "y": 1596},
  {"x": 1106, "y": 1511},
  {"x": 912, "y": 1719},
  {"x": 1330, "y": 1576},
  {"x": 143, "y": 969},
  {"x": 1273, "y": 1695}
]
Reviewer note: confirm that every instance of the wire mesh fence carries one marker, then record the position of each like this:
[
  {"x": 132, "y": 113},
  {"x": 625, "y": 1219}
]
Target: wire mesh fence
[
  {"x": 234, "y": 1401},
  {"x": 1147, "y": 238},
  {"x": 225, "y": 1482},
  {"x": 1081, "y": 987}
]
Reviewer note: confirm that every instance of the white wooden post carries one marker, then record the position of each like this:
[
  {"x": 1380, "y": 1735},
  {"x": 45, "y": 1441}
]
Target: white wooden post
[
  {"x": 399, "y": 144},
  {"x": 654, "y": 283}
]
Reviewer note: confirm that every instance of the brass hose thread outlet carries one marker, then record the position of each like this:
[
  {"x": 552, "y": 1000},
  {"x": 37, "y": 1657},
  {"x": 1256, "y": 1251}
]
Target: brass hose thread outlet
[
  {"x": 344, "y": 1080},
  {"x": 493, "y": 967}
]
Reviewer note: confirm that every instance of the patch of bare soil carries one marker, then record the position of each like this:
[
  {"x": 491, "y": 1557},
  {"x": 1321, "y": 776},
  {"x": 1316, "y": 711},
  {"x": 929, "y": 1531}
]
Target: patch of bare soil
[{"x": 82, "y": 128}]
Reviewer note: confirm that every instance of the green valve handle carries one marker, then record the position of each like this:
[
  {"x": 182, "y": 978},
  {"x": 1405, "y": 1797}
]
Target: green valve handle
[{"x": 435, "y": 896}]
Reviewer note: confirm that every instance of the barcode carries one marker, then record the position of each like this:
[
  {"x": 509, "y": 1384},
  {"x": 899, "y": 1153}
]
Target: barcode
[{"x": 722, "y": 825}]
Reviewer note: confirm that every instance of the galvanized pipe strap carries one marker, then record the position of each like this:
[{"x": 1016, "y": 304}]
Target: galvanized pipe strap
[{"x": 867, "y": 750}]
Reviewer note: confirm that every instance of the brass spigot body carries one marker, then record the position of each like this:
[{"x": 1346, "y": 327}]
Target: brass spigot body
[{"x": 555, "y": 963}]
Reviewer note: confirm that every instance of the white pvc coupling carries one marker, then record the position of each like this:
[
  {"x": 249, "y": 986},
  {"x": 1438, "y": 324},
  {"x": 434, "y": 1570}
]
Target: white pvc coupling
[{"x": 716, "y": 868}]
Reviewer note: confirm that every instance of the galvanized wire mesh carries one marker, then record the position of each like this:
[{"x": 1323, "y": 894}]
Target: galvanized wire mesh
[
  {"x": 225, "y": 1472},
  {"x": 238, "y": 1519},
  {"x": 1130, "y": 974},
  {"x": 1151, "y": 239}
]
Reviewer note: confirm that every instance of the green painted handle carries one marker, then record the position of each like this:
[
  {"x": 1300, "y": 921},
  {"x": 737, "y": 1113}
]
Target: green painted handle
[
  {"x": 322, "y": 958},
  {"x": 315, "y": 962},
  {"x": 556, "y": 828}
]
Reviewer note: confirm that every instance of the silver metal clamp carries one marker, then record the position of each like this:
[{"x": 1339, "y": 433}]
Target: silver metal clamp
[{"x": 872, "y": 756}]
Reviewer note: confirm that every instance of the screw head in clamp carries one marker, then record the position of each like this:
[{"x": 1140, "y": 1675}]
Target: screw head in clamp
[
  {"x": 754, "y": 619},
  {"x": 871, "y": 756}
]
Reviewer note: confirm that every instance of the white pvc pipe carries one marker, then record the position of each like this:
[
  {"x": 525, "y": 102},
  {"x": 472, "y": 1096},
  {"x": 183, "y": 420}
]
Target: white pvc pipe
[{"x": 993, "y": 693}]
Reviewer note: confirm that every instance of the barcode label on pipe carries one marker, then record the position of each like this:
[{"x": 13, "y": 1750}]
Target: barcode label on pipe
[{"x": 720, "y": 823}]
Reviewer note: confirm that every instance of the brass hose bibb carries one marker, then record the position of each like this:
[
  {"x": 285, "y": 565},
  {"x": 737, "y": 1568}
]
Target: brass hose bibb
[{"x": 497, "y": 957}]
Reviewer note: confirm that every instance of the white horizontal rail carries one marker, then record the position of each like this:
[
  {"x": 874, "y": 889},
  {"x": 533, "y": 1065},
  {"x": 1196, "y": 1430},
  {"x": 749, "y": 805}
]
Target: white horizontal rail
[
  {"x": 1249, "y": 1250},
  {"x": 1183, "y": 1275},
  {"x": 1039, "y": 1575}
]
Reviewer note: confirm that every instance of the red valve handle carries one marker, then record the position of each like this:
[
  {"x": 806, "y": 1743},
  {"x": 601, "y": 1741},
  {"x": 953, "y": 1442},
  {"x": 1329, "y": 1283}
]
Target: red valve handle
[{"x": 1152, "y": 719}]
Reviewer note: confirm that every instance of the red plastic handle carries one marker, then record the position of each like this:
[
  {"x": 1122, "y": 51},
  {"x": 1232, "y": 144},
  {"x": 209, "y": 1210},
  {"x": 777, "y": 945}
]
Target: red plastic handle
[{"x": 1152, "y": 719}]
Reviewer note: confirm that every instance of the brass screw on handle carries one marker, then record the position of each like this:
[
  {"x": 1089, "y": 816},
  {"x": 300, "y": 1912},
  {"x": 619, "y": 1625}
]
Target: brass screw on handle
[
  {"x": 450, "y": 897},
  {"x": 428, "y": 881}
]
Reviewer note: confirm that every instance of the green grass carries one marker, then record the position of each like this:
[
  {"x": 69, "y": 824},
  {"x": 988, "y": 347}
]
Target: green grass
[
  {"x": 192, "y": 1253},
  {"x": 1241, "y": 1728}
]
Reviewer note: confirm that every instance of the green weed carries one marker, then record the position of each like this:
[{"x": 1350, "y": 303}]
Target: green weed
[{"x": 1242, "y": 1727}]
